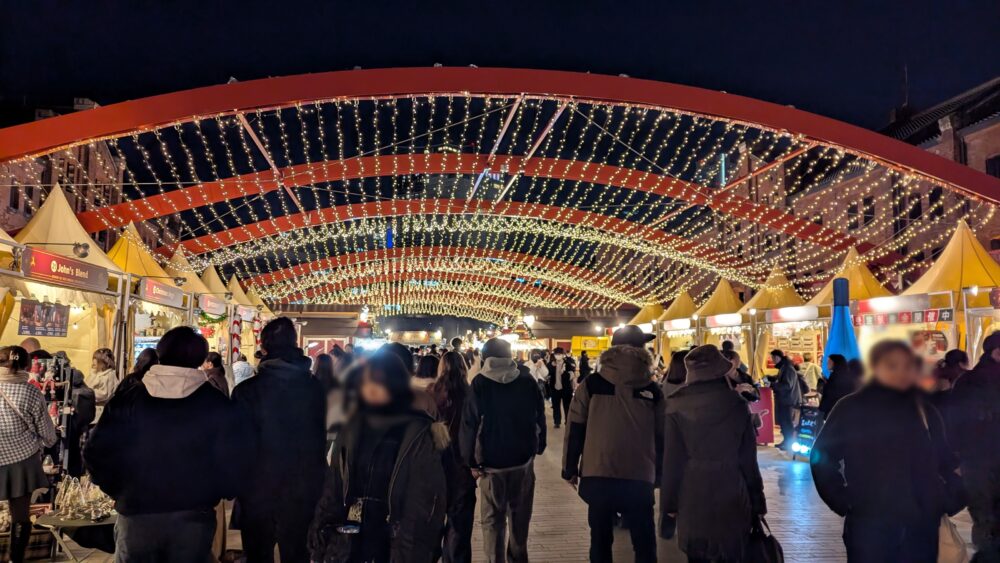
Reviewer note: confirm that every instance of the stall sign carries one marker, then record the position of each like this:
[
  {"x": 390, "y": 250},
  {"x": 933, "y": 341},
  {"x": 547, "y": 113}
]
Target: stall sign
[
  {"x": 677, "y": 324},
  {"x": 211, "y": 304},
  {"x": 905, "y": 317},
  {"x": 43, "y": 319},
  {"x": 46, "y": 266},
  {"x": 792, "y": 314},
  {"x": 159, "y": 292},
  {"x": 246, "y": 313},
  {"x": 893, "y": 304},
  {"x": 764, "y": 410},
  {"x": 810, "y": 424},
  {"x": 725, "y": 319}
]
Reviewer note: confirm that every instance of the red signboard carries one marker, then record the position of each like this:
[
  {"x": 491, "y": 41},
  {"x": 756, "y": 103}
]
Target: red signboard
[
  {"x": 54, "y": 268},
  {"x": 765, "y": 409},
  {"x": 159, "y": 292},
  {"x": 211, "y": 305}
]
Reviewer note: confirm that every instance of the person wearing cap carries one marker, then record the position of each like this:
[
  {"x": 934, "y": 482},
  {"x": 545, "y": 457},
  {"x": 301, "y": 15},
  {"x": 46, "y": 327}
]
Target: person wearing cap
[
  {"x": 503, "y": 429},
  {"x": 561, "y": 378},
  {"x": 973, "y": 413},
  {"x": 710, "y": 452},
  {"x": 617, "y": 475}
]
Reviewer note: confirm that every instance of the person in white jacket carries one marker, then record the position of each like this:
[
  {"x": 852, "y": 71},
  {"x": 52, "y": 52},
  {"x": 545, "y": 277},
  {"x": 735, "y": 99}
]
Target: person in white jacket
[{"x": 103, "y": 378}]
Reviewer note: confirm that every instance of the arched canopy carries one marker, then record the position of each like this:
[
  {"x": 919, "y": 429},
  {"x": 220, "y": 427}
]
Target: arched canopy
[{"x": 637, "y": 189}]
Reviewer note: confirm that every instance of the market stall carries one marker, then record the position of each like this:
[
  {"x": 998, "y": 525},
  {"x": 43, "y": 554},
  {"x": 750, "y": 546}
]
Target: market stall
[
  {"x": 216, "y": 310},
  {"x": 70, "y": 302},
  {"x": 646, "y": 318},
  {"x": 266, "y": 313},
  {"x": 719, "y": 319},
  {"x": 156, "y": 303},
  {"x": 675, "y": 327},
  {"x": 249, "y": 319},
  {"x": 959, "y": 283},
  {"x": 795, "y": 332},
  {"x": 592, "y": 345}
]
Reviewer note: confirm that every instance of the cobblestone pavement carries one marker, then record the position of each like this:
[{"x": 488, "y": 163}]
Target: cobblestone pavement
[{"x": 807, "y": 530}]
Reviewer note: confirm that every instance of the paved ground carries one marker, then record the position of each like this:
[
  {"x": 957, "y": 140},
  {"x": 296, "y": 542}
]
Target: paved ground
[{"x": 808, "y": 531}]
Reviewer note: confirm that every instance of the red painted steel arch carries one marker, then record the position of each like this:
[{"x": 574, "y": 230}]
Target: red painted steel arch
[
  {"x": 390, "y": 208},
  {"x": 207, "y": 193},
  {"x": 47, "y": 135},
  {"x": 430, "y": 252}
]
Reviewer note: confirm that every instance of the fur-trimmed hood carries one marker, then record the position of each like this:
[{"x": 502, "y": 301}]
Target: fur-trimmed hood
[
  {"x": 627, "y": 365},
  {"x": 439, "y": 433}
]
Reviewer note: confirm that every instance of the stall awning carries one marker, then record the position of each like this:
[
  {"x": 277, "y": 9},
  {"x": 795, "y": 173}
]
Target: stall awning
[
  {"x": 681, "y": 308},
  {"x": 647, "y": 314},
  {"x": 863, "y": 283},
  {"x": 55, "y": 223},
  {"x": 131, "y": 256},
  {"x": 776, "y": 293},
  {"x": 178, "y": 266},
  {"x": 963, "y": 263},
  {"x": 210, "y": 277},
  {"x": 722, "y": 301},
  {"x": 239, "y": 296},
  {"x": 256, "y": 301}
]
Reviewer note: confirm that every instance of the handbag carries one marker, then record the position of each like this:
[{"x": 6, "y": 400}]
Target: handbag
[
  {"x": 762, "y": 547},
  {"x": 951, "y": 546}
]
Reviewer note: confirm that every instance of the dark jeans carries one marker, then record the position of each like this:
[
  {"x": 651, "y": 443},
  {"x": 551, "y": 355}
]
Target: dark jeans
[
  {"x": 506, "y": 493},
  {"x": 458, "y": 526},
  {"x": 560, "y": 404},
  {"x": 605, "y": 498},
  {"x": 982, "y": 485},
  {"x": 886, "y": 540},
  {"x": 285, "y": 522},
  {"x": 169, "y": 536},
  {"x": 785, "y": 417}
]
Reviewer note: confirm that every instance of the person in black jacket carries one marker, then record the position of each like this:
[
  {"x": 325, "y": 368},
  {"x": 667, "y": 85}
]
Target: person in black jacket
[
  {"x": 288, "y": 417},
  {"x": 787, "y": 396},
  {"x": 384, "y": 496},
  {"x": 84, "y": 411},
  {"x": 584, "y": 367},
  {"x": 882, "y": 460},
  {"x": 561, "y": 379},
  {"x": 168, "y": 451},
  {"x": 974, "y": 431},
  {"x": 503, "y": 429},
  {"x": 711, "y": 482},
  {"x": 840, "y": 384}
]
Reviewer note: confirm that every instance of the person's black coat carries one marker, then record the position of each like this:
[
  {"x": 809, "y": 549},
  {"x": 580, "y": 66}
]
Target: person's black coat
[
  {"x": 785, "y": 385},
  {"x": 288, "y": 418},
  {"x": 841, "y": 383},
  {"x": 416, "y": 494},
  {"x": 566, "y": 378},
  {"x": 876, "y": 458},
  {"x": 974, "y": 415},
  {"x": 584, "y": 369},
  {"x": 710, "y": 475},
  {"x": 84, "y": 412},
  {"x": 156, "y": 455}
]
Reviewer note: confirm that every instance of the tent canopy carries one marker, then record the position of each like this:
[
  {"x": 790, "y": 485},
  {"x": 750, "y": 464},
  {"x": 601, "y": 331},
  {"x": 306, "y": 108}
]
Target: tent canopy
[
  {"x": 131, "y": 256},
  {"x": 682, "y": 307},
  {"x": 963, "y": 263},
  {"x": 647, "y": 314},
  {"x": 256, "y": 301},
  {"x": 776, "y": 293},
  {"x": 722, "y": 301},
  {"x": 178, "y": 266},
  {"x": 213, "y": 281},
  {"x": 239, "y": 296},
  {"x": 863, "y": 284},
  {"x": 55, "y": 223}
]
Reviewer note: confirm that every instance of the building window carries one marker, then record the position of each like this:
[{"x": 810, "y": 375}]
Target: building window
[
  {"x": 868, "y": 210},
  {"x": 852, "y": 216},
  {"x": 916, "y": 207},
  {"x": 993, "y": 166},
  {"x": 13, "y": 197},
  {"x": 934, "y": 201}
]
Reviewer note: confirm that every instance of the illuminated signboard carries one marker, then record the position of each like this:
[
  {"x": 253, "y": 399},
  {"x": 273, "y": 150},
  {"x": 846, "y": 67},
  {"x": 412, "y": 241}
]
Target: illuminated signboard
[
  {"x": 159, "y": 292},
  {"x": 211, "y": 304},
  {"x": 54, "y": 268}
]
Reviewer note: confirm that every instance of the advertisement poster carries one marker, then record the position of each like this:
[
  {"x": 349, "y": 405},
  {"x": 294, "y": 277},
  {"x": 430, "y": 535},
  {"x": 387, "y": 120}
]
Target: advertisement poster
[
  {"x": 43, "y": 319},
  {"x": 931, "y": 345},
  {"x": 764, "y": 408}
]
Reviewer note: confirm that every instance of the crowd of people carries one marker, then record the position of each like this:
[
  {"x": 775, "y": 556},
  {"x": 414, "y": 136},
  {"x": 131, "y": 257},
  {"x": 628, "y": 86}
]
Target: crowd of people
[{"x": 383, "y": 457}]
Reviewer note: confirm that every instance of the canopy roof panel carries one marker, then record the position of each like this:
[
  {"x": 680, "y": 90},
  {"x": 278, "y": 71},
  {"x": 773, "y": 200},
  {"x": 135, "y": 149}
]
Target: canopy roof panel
[
  {"x": 682, "y": 307},
  {"x": 647, "y": 314},
  {"x": 963, "y": 264},
  {"x": 777, "y": 292},
  {"x": 179, "y": 266},
  {"x": 723, "y": 300},
  {"x": 130, "y": 254},
  {"x": 861, "y": 282},
  {"x": 570, "y": 188}
]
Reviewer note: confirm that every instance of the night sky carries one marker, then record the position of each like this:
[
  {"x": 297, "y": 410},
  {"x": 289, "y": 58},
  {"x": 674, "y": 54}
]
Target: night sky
[{"x": 845, "y": 62}]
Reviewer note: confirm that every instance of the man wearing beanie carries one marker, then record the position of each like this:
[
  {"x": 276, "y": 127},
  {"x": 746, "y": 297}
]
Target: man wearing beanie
[
  {"x": 503, "y": 429},
  {"x": 710, "y": 453},
  {"x": 973, "y": 415},
  {"x": 613, "y": 441}
]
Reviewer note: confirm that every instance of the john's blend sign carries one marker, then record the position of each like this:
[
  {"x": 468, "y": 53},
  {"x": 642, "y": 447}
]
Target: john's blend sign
[{"x": 48, "y": 267}]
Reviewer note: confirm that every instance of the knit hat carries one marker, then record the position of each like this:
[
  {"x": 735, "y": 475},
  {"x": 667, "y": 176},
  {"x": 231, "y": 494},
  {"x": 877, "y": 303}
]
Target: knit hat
[
  {"x": 496, "y": 348},
  {"x": 631, "y": 335},
  {"x": 706, "y": 363}
]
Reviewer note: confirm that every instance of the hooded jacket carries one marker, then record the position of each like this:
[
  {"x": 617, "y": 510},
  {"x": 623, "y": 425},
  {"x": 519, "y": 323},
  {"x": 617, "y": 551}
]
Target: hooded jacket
[
  {"x": 288, "y": 418},
  {"x": 217, "y": 378},
  {"x": 621, "y": 400},
  {"x": 710, "y": 475},
  {"x": 170, "y": 443},
  {"x": 785, "y": 385},
  {"x": 503, "y": 423}
]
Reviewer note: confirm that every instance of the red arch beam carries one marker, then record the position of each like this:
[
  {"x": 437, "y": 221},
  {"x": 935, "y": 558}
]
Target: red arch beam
[
  {"x": 391, "y": 208},
  {"x": 377, "y": 255},
  {"x": 568, "y": 301},
  {"x": 47, "y": 135},
  {"x": 353, "y": 168}
]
